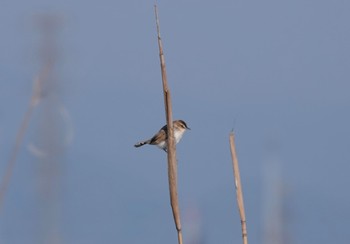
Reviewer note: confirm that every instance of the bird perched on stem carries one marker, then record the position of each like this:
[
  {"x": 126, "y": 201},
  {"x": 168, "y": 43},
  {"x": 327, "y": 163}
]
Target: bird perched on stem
[{"x": 160, "y": 139}]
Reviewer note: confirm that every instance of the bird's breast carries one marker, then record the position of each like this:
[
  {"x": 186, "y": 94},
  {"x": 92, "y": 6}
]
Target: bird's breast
[{"x": 178, "y": 135}]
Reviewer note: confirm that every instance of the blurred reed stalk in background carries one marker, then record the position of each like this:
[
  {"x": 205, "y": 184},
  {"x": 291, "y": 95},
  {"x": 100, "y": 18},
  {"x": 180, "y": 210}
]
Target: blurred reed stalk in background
[
  {"x": 172, "y": 162},
  {"x": 43, "y": 107},
  {"x": 238, "y": 187},
  {"x": 49, "y": 139},
  {"x": 33, "y": 102},
  {"x": 35, "y": 99}
]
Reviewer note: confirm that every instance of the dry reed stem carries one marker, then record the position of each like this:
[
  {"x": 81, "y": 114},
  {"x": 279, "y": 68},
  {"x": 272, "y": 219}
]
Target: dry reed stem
[
  {"x": 172, "y": 163},
  {"x": 35, "y": 98},
  {"x": 238, "y": 186}
]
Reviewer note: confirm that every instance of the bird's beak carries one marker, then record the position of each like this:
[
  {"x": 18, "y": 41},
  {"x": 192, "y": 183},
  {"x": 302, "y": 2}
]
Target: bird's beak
[{"x": 188, "y": 128}]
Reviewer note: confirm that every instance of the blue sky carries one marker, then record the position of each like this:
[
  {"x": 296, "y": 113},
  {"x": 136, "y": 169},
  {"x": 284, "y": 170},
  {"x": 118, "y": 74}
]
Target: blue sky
[{"x": 277, "y": 72}]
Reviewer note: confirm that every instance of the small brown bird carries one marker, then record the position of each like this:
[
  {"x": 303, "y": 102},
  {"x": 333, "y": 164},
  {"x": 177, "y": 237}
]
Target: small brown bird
[{"x": 160, "y": 139}]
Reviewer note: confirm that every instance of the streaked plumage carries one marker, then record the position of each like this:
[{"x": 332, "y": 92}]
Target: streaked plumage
[{"x": 160, "y": 139}]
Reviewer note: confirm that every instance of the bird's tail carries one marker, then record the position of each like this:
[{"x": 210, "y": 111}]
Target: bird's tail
[{"x": 141, "y": 143}]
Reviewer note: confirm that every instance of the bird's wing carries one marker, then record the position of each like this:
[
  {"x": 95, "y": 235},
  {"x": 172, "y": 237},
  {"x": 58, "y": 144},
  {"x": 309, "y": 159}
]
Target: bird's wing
[{"x": 157, "y": 138}]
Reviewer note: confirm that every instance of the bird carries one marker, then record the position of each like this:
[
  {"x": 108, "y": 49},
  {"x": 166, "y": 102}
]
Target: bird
[{"x": 160, "y": 138}]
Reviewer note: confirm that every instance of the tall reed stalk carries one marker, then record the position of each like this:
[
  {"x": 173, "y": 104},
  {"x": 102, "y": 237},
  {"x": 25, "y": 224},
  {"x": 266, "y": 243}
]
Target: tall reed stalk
[
  {"x": 238, "y": 187},
  {"x": 172, "y": 163},
  {"x": 34, "y": 100}
]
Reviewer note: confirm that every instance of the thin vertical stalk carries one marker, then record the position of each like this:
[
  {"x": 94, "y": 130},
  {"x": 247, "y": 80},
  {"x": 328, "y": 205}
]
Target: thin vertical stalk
[
  {"x": 34, "y": 100},
  {"x": 172, "y": 163},
  {"x": 238, "y": 187}
]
